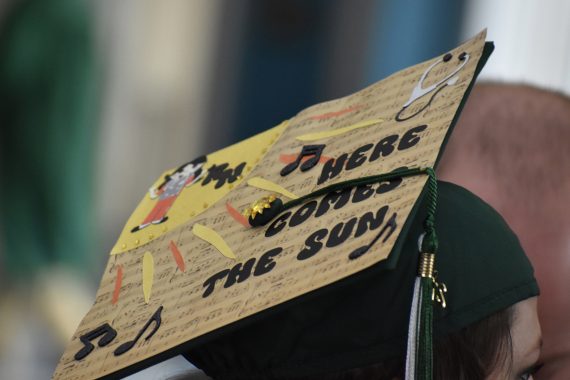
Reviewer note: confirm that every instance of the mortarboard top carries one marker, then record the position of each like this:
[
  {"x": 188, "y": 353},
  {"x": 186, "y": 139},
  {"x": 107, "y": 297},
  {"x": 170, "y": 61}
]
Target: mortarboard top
[{"x": 189, "y": 267}]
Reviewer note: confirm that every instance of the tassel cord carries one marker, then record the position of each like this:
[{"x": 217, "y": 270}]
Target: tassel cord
[{"x": 402, "y": 173}]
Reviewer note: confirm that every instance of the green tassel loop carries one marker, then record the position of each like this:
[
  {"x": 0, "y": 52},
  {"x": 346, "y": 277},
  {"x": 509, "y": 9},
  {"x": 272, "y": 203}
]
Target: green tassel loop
[{"x": 424, "y": 355}]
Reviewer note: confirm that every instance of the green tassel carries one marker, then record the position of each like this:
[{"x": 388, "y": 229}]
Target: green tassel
[{"x": 424, "y": 366}]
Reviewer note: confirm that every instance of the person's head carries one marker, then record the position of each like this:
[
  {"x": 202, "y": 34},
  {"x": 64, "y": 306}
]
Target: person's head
[
  {"x": 511, "y": 148},
  {"x": 503, "y": 346},
  {"x": 357, "y": 328}
]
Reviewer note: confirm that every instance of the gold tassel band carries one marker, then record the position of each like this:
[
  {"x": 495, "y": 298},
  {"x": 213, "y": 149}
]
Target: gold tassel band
[{"x": 427, "y": 262}]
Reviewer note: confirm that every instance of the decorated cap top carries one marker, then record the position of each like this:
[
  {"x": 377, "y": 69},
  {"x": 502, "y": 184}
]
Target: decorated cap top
[{"x": 189, "y": 264}]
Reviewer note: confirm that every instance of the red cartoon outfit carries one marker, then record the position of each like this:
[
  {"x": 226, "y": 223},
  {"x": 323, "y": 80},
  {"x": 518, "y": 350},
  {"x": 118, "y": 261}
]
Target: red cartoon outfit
[{"x": 167, "y": 195}]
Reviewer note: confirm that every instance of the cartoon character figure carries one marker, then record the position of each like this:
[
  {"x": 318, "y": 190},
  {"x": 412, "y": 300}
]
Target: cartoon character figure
[{"x": 169, "y": 189}]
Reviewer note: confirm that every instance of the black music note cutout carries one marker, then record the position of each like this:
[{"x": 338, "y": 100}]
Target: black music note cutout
[
  {"x": 391, "y": 223},
  {"x": 105, "y": 330},
  {"x": 156, "y": 318},
  {"x": 308, "y": 150}
]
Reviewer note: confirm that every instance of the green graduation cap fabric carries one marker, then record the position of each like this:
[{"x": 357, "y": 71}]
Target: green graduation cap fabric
[
  {"x": 229, "y": 238},
  {"x": 357, "y": 328}
]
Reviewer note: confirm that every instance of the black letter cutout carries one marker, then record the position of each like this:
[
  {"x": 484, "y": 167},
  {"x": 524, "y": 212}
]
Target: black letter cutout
[
  {"x": 108, "y": 333},
  {"x": 130, "y": 344},
  {"x": 210, "y": 283},
  {"x": 307, "y": 151},
  {"x": 222, "y": 174}
]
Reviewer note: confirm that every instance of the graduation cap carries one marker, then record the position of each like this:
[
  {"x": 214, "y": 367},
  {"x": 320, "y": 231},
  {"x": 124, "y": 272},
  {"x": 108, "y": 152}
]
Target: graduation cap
[{"x": 295, "y": 252}]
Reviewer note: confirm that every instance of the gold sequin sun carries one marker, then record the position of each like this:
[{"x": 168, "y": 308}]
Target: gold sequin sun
[{"x": 258, "y": 206}]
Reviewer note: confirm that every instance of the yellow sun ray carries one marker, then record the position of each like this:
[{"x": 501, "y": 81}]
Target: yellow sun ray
[
  {"x": 264, "y": 184},
  {"x": 209, "y": 235},
  {"x": 147, "y": 275},
  {"x": 339, "y": 131}
]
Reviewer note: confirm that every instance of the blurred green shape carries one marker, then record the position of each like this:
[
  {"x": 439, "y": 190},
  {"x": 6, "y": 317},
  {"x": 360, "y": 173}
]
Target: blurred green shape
[{"x": 48, "y": 121}]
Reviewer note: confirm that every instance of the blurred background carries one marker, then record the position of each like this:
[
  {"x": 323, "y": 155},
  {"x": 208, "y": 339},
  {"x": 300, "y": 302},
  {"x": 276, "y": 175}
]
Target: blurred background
[{"x": 97, "y": 98}]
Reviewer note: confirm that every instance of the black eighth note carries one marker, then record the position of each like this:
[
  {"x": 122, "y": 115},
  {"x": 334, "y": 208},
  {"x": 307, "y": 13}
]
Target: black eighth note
[
  {"x": 313, "y": 151},
  {"x": 390, "y": 224},
  {"x": 105, "y": 330},
  {"x": 156, "y": 318}
]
